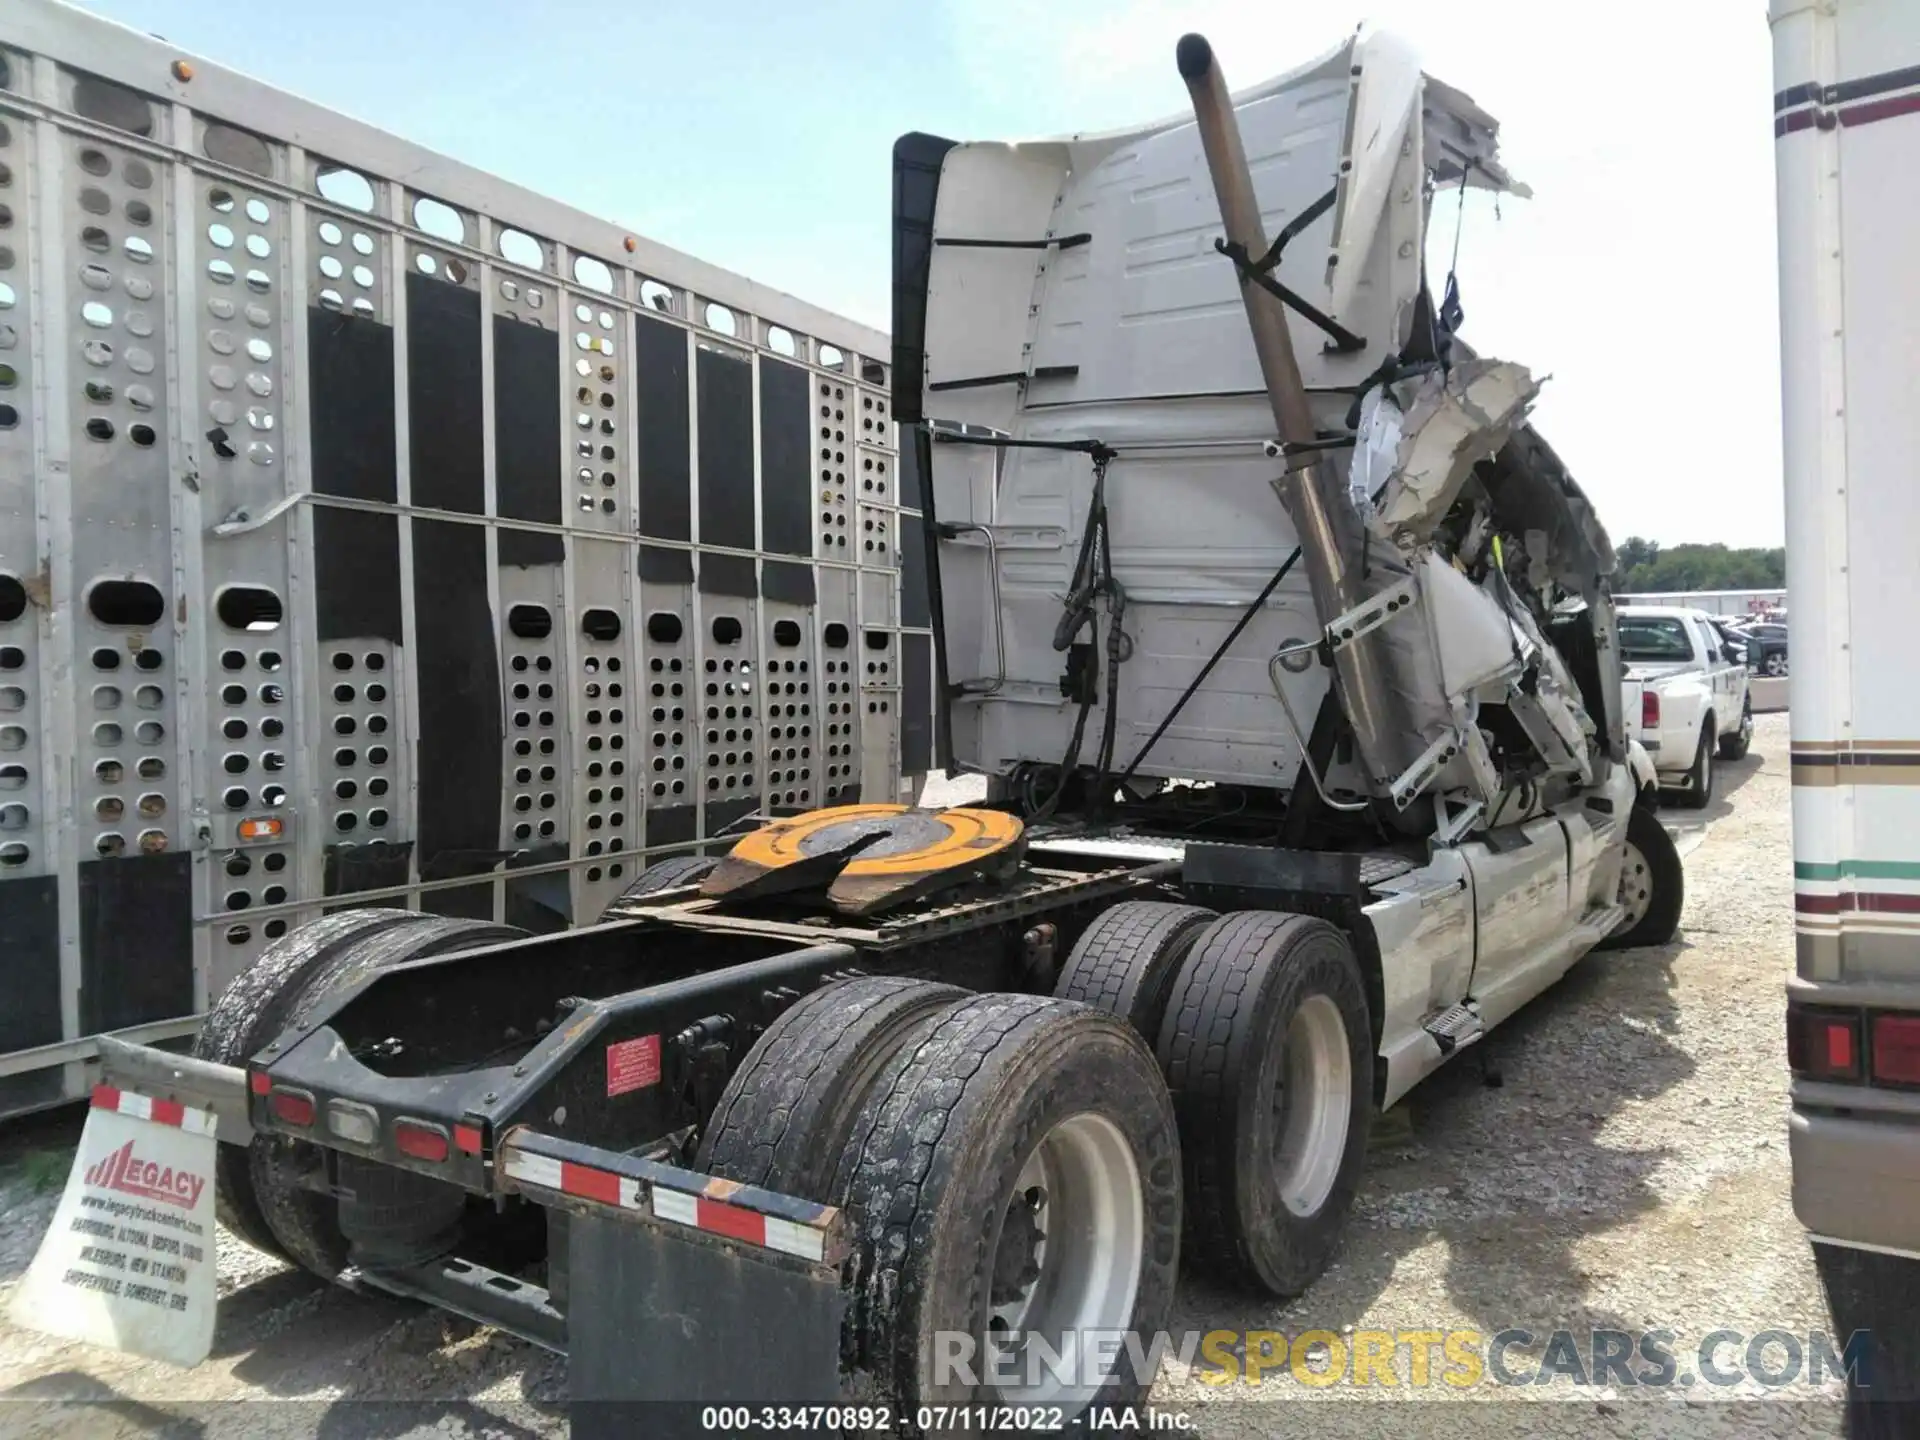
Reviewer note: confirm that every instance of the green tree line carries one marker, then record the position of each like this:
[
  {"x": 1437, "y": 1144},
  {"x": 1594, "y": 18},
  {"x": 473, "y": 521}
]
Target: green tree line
[{"x": 1646, "y": 566}]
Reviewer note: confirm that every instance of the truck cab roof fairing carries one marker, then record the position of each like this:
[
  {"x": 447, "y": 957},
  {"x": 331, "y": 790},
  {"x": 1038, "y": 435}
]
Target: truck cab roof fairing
[{"x": 1071, "y": 289}]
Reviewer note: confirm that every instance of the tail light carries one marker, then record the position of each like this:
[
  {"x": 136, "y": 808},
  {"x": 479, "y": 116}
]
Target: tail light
[
  {"x": 1649, "y": 710},
  {"x": 421, "y": 1140},
  {"x": 1896, "y": 1049},
  {"x": 291, "y": 1107},
  {"x": 355, "y": 1123}
]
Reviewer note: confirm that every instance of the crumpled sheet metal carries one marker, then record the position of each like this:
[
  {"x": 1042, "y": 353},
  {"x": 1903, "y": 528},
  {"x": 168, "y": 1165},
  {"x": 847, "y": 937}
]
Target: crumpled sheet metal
[
  {"x": 1418, "y": 444},
  {"x": 1430, "y": 431}
]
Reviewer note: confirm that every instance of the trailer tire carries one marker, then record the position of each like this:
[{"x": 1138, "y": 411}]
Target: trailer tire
[
  {"x": 788, "y": 1110},
  {"x": 249, "y": 1013},
  {"x": 1008, "y": 1111},
  {"x": 1698, "y": 793},
  {"x": 1653, "y": 885},
  {"x": 1125, "y": 961},
  {"x": 269, "y": 1177},
  {"x": 668, "y": 874},
  {"x": 1270, "y": 1009}
]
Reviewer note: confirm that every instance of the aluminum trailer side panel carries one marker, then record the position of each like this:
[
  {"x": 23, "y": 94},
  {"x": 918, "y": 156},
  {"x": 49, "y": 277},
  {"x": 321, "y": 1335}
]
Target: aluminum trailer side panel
[{"x": 413, "y": 537}]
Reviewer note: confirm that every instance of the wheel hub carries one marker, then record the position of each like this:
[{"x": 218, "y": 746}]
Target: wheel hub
[
  {"x": 1311, "y": 1100},
  {"x": 1016, "y": 1264},
  {"x": 1636, "y": 886},
  {"x": 1068, "y": 1261}
]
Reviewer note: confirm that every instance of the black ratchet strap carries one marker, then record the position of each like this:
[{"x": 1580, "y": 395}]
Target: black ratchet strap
[{"x": 1260, "y": 272}]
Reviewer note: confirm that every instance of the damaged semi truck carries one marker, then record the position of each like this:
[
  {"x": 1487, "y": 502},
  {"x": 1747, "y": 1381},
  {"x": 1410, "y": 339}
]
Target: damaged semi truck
[{"x": 1286, "y": 644}]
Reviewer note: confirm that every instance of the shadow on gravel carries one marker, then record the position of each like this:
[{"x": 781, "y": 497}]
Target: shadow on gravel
[
  {"x": 244, "y": 1312},
  {"x": 1729, "y": 776},
  {"x": 383, "y": 1419},
  {"x": 73, "y": 1387},
  {"x": 298, "y": 1335},
  {"x": 319, "y": 1329}
]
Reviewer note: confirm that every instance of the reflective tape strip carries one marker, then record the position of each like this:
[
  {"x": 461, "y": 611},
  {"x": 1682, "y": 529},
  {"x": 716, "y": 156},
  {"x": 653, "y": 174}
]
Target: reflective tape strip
[
  {"x": 715, "y": 1212},
  {"x": 737, "y": 1223},
  {"x": 533, "y": 1169},
  {"x": 730, "y": 1220},
  {"x": 602, "y": 1185},
  {"x": 673, "y": 1205},
  {"x": 801, "y": 1240},
  {"x": 581, "y": 1181},
  {"x": 158, "y": 1112}
]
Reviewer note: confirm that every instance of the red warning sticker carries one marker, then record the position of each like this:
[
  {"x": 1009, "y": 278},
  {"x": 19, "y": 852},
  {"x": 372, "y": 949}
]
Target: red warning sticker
[{"x": 633, "y": 1064}]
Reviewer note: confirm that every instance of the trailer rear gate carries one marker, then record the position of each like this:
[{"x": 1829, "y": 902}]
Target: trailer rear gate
[{"x": 419, "y": 539}]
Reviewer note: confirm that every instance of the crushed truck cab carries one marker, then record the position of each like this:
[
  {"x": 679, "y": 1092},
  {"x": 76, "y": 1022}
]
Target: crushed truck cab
[{"x": 1286, "y": 647}]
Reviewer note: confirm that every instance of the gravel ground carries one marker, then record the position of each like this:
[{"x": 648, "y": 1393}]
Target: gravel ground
[{"x": 1628, "y": 1173}]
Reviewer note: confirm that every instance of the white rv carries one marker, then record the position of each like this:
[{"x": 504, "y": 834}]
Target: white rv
[{"x": 1847, "y": 132}]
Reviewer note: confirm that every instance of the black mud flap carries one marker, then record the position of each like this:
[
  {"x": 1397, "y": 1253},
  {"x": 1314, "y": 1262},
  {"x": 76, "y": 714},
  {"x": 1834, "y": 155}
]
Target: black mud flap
[
  {"x": 670, "y": 1332},
  {"x": 695, "y": 1306}
]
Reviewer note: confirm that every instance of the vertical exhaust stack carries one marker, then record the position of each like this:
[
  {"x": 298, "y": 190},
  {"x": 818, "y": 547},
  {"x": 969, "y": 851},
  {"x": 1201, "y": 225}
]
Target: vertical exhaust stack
[{"x": 1332, "y": 537}]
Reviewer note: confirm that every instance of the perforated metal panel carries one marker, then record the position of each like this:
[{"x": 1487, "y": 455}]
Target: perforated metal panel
[{"x": 375, "y": 531}]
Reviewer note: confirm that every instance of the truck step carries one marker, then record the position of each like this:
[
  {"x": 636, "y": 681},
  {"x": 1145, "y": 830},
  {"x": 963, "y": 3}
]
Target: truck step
[{"x": 1453, "y": 1027}]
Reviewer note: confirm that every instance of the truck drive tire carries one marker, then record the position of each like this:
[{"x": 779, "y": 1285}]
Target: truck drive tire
[
  {"x": 1698, "y": 793},
  {"x": 1734, "y": 745},
  {"x": 1126, "y": 960},
  {"x": 263, "y": 1186},
  {"x": 1653, "y": 885},
  {"x": 669, "y": 874},
  {"x": 1015, "y": 1175},
  {"x": 251, "y": 1011},
  {"x": 1268, "y": 1051},
  {"x": 789, "y": 1108}
]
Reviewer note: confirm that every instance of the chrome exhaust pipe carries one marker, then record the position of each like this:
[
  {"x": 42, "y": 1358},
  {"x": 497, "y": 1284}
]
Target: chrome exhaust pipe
[{"x": 1332, "y": 538}]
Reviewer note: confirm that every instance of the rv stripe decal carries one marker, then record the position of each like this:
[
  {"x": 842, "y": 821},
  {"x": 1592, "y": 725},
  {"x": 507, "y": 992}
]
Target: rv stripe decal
[
  {"x": 1887, "y": 80},
  {"x": 1866, "y": 902},
  {"x": 1857, "y": 870},
  {"x": 1800, "y": 107},
  {"x": 1856, "y": 766}
]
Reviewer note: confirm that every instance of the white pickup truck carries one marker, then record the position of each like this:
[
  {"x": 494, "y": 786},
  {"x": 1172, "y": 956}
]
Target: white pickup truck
[{"x": 1688, "y": 685}]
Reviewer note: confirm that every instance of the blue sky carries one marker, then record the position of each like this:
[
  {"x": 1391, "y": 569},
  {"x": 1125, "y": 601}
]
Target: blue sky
[{"x": 756, "y": 135}]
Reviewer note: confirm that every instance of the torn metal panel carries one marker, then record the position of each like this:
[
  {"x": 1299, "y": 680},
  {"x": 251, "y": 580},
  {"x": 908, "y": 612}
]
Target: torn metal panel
[
  {"x": 1463, "y": 141},
  {"x": 1430, "y": 432}
]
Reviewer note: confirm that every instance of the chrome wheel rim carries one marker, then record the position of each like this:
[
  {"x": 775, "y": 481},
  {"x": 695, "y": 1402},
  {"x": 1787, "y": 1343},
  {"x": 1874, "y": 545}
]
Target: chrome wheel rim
[
  {"x": 1068, "y": 1265},
  {"x": 1313, "y": 1105},
  {"x": 1636, "y": 888}
]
